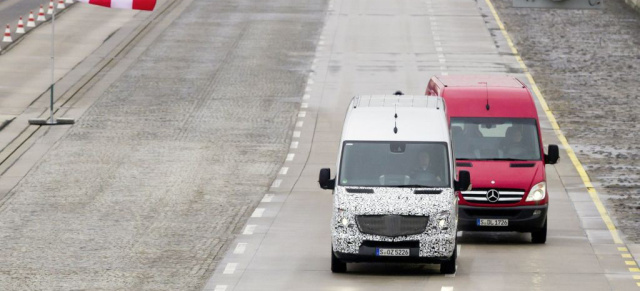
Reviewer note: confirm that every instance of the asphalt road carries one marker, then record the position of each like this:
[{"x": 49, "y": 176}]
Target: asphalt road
[
  {"x": 373, "y": 47},
  {"x": 194, "y": 160}
]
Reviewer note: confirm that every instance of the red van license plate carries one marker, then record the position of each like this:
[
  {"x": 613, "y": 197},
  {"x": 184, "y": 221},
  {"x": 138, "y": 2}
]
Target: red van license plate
[{"x": 493, "y": 222}]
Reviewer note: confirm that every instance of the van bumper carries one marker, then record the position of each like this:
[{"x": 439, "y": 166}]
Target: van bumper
[
  {"x": 521, "y": 218},
  {"x": 367, "y": 253}
]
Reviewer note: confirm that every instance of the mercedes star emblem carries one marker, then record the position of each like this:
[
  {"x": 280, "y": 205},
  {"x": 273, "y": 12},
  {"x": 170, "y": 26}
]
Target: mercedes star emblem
[{"x": 493, "y": 195}]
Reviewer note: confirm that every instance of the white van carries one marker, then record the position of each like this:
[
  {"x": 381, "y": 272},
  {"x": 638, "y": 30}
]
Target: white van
[{"x": 395, "y": 195}]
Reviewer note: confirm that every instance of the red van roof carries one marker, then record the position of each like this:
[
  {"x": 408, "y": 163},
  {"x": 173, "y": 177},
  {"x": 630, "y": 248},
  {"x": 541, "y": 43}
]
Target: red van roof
[{"x": 469, "y": 95}]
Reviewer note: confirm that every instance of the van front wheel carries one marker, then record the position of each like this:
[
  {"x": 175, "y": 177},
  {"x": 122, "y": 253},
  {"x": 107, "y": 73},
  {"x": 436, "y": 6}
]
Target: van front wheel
[
  {"x": 337, "y": 266},
  {"x": 449, "y": 266},
  {"x": 539, "y": 236}
]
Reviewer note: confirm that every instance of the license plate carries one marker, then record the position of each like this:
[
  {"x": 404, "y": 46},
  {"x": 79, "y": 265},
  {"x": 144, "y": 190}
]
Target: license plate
[
  {"x": 392, "y": 252},
  {"x": 493, "y": 222}
]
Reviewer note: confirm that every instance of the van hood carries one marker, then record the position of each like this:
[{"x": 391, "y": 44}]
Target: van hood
[{"x": 504, "y": 174}]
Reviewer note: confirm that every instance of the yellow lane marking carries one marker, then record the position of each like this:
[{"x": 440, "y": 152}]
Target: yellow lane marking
[
  {"x": 623, "y": 249},
  {"x": 630, "y": 263},
  {"x": 638, "y": 283},
  {"x": 556, "y": 128},
  {"x": 634, "y": 270},
  {"x": 636, "y": 277},
  {"x": 626, "y": 256}
]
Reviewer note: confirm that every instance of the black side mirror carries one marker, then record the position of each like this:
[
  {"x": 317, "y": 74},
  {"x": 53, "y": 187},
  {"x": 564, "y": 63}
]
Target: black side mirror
[
  {"x": 553, "y": 155},
  {"x": 464, "y": 181},
  {"x": 325, "y": 180}
]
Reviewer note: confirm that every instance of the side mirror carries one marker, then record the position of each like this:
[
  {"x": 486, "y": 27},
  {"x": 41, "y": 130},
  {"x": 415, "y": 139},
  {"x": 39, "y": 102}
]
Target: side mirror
[
  {"x": 553, "y": 155},
  {"x": 325, "y": 180},
  {"x": 464, "y": 181}
]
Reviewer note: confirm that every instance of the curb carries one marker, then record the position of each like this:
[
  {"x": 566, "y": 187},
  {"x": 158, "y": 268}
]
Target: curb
[{"x": 635, "y": 4}]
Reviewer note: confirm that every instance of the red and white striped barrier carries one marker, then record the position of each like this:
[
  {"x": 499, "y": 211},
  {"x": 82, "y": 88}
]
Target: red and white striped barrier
[
  {"x": 20, "y": 28},
  {"x": 41, "y": 14},
  {"x": 32, "y": 20},
  {"x": 7, "y": 35},
  {"x": 124, "y": 4}
]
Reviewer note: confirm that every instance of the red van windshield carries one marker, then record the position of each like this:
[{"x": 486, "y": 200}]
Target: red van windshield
[{"x": 511, "y": 139}]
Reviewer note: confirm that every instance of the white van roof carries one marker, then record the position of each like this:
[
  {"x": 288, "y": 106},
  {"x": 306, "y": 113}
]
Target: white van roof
[{"x": 420, "y": 118}]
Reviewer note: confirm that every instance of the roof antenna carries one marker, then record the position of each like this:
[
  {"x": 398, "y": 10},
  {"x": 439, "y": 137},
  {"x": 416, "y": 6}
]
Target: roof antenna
[
  {"x": 487, "y": 94},
  {"x": 395, "y": 121}
]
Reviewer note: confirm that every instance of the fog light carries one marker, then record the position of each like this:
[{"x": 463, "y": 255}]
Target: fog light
[
  {"x": 537, "y": 212},
  {"x": 345, "y": 221}
]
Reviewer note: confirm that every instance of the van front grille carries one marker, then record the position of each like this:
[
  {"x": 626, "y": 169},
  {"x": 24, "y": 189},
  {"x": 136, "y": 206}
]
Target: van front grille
[
  {"x": 498, "y": 196},
  {"x": 392, "y": 225}
]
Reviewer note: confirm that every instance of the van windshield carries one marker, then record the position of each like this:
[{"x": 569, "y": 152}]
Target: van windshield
[
  {"x": 511, "y": 139},
  {"x": 394, "y": 164}
]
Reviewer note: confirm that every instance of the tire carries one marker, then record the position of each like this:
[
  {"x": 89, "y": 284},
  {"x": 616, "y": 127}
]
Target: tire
[
  {"x": 337, "y": 266},
  {"x": 539, "y": 236},
  {"x": 449, "y": 266}
]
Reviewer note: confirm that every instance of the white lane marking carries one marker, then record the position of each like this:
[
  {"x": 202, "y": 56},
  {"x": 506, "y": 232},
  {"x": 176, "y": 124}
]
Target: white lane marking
[
  {"x": 267, "y": 198},
  {"x": 258, "y": 212},
  {"x": 438, "y": 43},
  {"x": 302, "y": 114},
  {"x": 438, "y": 49},
  {"x": 299, "y": 123},
  {"x": 240, "y": 248},
  {"x": 442, "y": 61},
  {"x": 440, "y": 56},
  {"x": 442, "y": 68},
  {"x": 445, "y": 73},
  {"x": 230, "y": 268},
  {"x": 321, "y": 43},
  {"x": 296, "y": 134},
  {"x": 290, "y": 157},
  {"x": 306, "y": 97},
  {"x": 294, "y": 144},
  {"x": 276, "y": 183},
  {"x": 436, "y": 37},
  {"x": 304, "y": 105},
  {"x": 446, "y": 288},
  {"x": 284, "y": 170},
  {"x": 310, "y": 82},
  {"x": 220, "y": 288},
  {"x": 459, "y": 250},
  {"x": 307, "y": 89},
  {"x": 249, "y": 229}
]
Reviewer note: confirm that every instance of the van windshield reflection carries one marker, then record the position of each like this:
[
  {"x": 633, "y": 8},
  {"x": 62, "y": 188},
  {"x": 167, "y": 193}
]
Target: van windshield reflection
[
  {"x": 394, "y": 164},
  {"x": 495, "y": 139}
]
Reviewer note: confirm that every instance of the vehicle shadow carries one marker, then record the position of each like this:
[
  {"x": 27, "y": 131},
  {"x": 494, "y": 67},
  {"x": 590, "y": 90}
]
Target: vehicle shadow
[
  {"x": 494, "y": 238},
  {"x": 392, "y": 269}
]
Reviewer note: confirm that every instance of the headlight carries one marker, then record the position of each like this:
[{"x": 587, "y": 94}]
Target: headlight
[
  {"x": 537, "y": 192},
  {"x": 342, "y": 218},
  {"x": 442, "y": 220}
]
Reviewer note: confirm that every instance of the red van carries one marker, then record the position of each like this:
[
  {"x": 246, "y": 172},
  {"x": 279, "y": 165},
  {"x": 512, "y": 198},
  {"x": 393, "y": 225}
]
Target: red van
[{"x": 496, "y": 137}]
